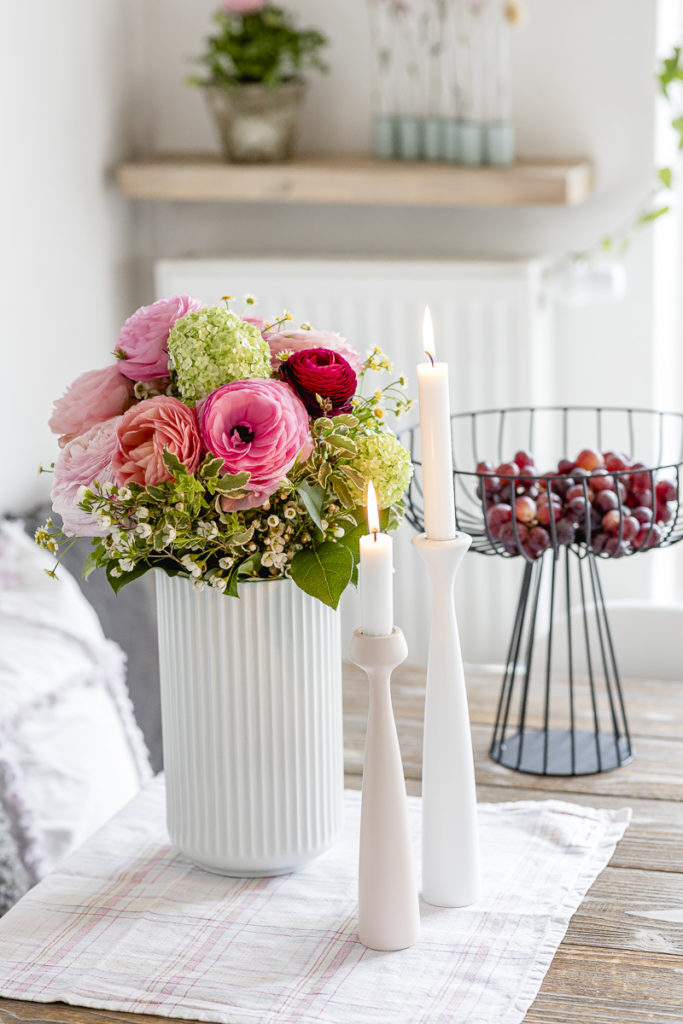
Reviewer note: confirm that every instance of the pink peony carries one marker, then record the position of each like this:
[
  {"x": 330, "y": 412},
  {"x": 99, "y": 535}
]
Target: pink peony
[
  {"x": 142, "y": 341},
  {"x": 93, "y": 397},
  {"x": 243, "y": 6},
  {"x": 143, "y": 433},
  {"x": 257, "y": 426},
  {"x": 296, "y": 341},
  {"x": 83, "y": 461}
]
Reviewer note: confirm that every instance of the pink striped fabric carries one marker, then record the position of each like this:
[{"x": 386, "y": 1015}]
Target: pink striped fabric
[{"x": 127, "y": 924}]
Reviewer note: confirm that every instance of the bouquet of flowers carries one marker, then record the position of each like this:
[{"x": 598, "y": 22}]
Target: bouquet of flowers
[{"x": 225, "y": 449}]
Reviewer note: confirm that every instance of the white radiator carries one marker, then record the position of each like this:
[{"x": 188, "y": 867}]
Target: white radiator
[{"x": 490, "y": 324}]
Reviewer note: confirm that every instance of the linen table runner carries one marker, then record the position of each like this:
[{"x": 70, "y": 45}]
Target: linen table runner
[{"x": 128, "y": 924}]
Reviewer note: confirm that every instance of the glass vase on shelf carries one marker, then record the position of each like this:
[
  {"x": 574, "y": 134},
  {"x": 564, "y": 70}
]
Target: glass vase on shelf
[
  {"x": 384, "y": 106},
  {"x": 410, "y": 78},
  {"x": 434, "y": 20},
  {"x": 472, "y": 18},
  {"x": 500, "y": 135}
]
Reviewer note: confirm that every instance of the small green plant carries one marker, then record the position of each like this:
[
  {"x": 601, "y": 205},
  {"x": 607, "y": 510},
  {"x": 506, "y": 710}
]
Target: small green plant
[
  {"x": 258, "y": 46},
  {"x": 617, "y": 244}
]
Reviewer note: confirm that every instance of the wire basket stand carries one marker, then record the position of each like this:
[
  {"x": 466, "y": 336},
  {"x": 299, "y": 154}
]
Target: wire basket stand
[{"x": 561, "y": 708}]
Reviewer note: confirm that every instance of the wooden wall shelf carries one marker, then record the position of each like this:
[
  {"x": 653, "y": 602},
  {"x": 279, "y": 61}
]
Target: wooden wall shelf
[{"x": 357, "y": 180}]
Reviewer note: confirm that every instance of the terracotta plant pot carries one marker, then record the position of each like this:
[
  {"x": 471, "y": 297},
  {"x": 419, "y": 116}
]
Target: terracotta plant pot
[{"x": 256, "y": 123}]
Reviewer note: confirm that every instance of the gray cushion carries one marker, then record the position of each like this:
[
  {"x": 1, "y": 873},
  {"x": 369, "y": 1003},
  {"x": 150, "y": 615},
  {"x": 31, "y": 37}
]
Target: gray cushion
[{"x": 129, "y": 618}]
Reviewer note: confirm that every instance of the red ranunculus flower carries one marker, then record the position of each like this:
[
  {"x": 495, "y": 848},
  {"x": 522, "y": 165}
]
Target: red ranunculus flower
[{"x": 323, "y": 372}]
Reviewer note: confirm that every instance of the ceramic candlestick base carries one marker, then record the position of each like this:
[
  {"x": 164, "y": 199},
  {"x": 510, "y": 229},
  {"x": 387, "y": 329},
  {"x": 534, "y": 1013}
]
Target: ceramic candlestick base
[
  {"x": 388, "y": 909},
  {"x": 450, "y": 845}
]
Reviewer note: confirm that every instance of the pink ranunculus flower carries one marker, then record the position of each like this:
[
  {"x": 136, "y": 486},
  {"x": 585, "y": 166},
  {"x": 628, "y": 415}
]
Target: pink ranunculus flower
[
  {"x": 143, "y": 433},
  {"x": 258, "y": 427},
  {"x": 143, "y": 340},
  {"x": 93, "y": 397},
  {"x": 296, "y": 341},
  {"x": 82, "y": 461},
  {"x": 243, "y": 6}
]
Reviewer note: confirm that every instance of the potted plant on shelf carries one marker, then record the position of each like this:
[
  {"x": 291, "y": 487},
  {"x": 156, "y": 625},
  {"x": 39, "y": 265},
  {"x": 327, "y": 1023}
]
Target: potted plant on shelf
[{"x": 254, "y": 84}]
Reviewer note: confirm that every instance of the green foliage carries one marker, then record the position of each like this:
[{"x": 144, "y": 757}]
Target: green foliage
[
  {"x": 669, "y": 72},
  {"x": 262, "y": 47},
  {"x": 325, "y": 572}
]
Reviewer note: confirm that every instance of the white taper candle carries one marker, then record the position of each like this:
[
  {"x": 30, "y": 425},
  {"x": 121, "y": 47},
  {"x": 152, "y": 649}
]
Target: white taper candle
[
  {"x": 376, "y": 575},
  {"x": 435, "y": 441}
]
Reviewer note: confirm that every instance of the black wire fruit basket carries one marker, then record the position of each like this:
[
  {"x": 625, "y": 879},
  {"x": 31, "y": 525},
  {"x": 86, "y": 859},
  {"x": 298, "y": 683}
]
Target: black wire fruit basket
[{"x": 618, "y": 496}]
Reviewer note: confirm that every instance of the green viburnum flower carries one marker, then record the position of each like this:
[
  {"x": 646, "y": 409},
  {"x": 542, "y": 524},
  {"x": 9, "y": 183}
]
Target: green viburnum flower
[
  {"x": 383, "y": 459},
  {"x": 212, "y": 347}
]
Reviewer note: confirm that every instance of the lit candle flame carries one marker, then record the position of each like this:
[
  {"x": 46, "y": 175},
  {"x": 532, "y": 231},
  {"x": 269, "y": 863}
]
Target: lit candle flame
[
  {"x": 428, "y": 335},
  {"x": 373, "y": 511}
]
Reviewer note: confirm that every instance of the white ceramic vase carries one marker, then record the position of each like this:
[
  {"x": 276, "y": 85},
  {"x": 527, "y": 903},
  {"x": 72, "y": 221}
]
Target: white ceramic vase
[{"x": 252, "y": 725}]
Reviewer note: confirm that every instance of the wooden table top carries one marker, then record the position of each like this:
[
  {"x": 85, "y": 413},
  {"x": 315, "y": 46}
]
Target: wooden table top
[{"x": 621, "y": 961}]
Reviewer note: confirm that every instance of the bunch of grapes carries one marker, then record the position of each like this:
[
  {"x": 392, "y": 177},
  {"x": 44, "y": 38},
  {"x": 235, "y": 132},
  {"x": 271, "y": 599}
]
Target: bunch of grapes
[{"x": 605, "y": 500}]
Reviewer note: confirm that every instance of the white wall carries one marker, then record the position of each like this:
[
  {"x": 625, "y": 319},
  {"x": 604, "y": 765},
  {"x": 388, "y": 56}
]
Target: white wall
[
  {"x": 583, "y": 85},
  {"x": 65, "y": 84}
]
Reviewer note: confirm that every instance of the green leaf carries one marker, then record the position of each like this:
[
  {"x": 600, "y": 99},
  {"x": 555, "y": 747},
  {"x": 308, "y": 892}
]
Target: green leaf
[
  {"x": 173, "y": 464},
  {"x": 249, "y": 567},
  {"x": 342, "y": 443},
  {"x": 342, "y": 492},
  {"x": 211, "y": 466},
  {"x": 324, "y": 572},
  {"x": 92, "y": 562},
  {"x": 313, "y": 499},
  {"x": 665, "y": 175},
  {"x": 647, "y": 218},
  {"x": 677, "y": 125},
  {"x": 116, "y": 582},
  {"x": 351, "y": 540},
  {"x": 231, "y": 482}
]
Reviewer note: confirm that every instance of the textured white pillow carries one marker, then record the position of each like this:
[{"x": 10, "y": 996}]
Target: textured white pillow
[{"x": 71, "y": 754}]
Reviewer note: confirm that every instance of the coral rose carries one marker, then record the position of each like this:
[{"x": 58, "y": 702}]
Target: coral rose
[
  {"x": 297, "y": 341},
  {"x": 83, "y": 461},
  {"x": 321, "y": 373},
  {"x": 93, "y": 397},
  {"x": 143, "y": 434},
  {"x": 142, "y": 341},
  {"x": 243, "y": 6},
  {"x": 257, "y": 426}
]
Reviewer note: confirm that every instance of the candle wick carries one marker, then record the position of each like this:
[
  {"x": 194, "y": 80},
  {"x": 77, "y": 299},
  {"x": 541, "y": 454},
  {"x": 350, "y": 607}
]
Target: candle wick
[
  {"x": 374, "y": 535},
  {"x": 431, "y": 357}
]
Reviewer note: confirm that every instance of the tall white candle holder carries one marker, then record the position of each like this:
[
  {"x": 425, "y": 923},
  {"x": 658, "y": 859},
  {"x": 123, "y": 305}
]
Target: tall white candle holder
[
  {"x": 388, "y": 908},
  {"x": 450, "y": 843}
]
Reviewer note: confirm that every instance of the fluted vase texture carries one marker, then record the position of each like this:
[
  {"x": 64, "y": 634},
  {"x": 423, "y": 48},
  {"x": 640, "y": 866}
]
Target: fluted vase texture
[{"x": 252, "y": 725}]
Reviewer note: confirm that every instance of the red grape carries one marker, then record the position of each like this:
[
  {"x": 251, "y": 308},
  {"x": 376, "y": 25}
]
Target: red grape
[
  {"x": 564, "y": 531},
  {"x": 496, "y": 516},
  {"x": 577, "y": 491},
  {"x": 524, "y": 458},
  {"x": 666, "y": 491},
  {"x": 615, "y": 462},
  {"x": 589, "y": 459},
  {"x": 663, "y": 513},
  {"x": 602, "y": 481},
  {"x": 606, "y": 500},
  {"x": 630, "y": 528},
  {"x": 565, "y": 466},
  {"x": 525, "y": 510},
  {"x": 576, "y": 510},
  {"x": 536, "y": 542},
  {"x": 544, "y": 513},
  {"x": 611, "y": 521},
  {"x": 508, "y": 469},
  {"x": 642, "y": 514}
]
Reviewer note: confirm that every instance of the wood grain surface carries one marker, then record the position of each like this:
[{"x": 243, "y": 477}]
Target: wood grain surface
[
  {"x": 345, "y": 179},
  {"x": 621, "y": 961}
]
